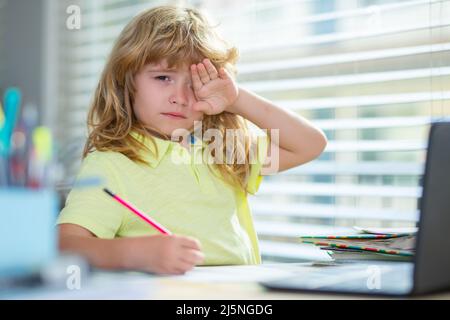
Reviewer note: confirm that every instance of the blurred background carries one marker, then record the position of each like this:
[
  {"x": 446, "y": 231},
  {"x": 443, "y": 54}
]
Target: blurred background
[{"x": 372, "y": 74}]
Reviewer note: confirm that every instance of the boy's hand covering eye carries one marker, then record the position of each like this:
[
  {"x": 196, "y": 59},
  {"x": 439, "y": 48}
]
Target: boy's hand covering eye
[{"x": 214, "y": 90}]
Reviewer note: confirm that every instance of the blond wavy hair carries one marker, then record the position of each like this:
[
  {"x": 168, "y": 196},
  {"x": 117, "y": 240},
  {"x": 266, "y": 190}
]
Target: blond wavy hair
[{"x": 181, "y": 36}]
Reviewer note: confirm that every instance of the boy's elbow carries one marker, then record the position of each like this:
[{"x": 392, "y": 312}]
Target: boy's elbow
[
  {"x": 324, "y": 141},
  {"x": 320, "y": 144},
  {"x": 317, "y": 145}
]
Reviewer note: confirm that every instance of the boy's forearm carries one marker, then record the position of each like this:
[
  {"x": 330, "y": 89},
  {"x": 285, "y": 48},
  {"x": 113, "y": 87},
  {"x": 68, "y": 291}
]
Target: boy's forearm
[
  {"x": 295, "y": 132},
  {"x": 100, "y": 253}
]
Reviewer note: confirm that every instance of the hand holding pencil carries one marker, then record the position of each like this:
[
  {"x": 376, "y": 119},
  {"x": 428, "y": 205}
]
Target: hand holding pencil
[{"x": 170, "y": 254}]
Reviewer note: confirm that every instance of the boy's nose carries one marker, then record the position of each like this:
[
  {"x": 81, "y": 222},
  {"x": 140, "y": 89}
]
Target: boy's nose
[{"x": 181, "y": 95}]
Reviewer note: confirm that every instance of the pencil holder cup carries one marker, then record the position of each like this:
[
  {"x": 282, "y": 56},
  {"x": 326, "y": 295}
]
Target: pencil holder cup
[{"x": 27, "y": 230}]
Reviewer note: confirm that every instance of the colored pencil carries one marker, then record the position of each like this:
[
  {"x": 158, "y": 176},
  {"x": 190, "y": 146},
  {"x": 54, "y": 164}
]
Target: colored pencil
[{"x": 138, "y": 212}]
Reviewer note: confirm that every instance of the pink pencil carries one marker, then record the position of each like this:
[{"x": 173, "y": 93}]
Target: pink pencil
[{"x": 139, "y": 213}]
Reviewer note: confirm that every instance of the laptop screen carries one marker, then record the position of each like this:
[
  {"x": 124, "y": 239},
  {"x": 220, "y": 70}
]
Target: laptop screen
[{"x": 432, "y": 261}]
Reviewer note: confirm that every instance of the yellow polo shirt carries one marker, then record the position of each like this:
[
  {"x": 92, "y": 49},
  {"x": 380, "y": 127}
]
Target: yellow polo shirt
[{"x": 178, "y": 191}]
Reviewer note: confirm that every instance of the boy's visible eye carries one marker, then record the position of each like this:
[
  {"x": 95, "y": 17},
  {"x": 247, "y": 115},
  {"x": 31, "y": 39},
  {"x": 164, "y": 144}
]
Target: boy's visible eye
[{"x": 162, "y": 78}]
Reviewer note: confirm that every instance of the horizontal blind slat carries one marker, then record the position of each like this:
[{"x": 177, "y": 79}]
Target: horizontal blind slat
[
  {"x": 341, "y": 14},
  {"x": 372, "y": 100},
  {"x": 375, "y": 145},
  {"x": 338, "y": 37},
  {"x": 326, "y": 60},
  {"x": 328, "y": 189},
  {"x": 263, "y": 208},
  {"x": 343, "y": 80},
  {"x": 357, "y": 168}
]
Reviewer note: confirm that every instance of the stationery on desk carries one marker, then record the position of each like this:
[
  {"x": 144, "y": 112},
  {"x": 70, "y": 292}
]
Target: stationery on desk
[
  {"x": 26, "y": 149},
  {"x": 138, "y": 212},
  {"x": 12, "y": 100},
  {"x": 29, "y": 214},
  {"x": 11, "y": 103},
  {"x": 40, "y": 157},
  {"x": 368, "y": 244},
  {"x": 29, "y": 196}
]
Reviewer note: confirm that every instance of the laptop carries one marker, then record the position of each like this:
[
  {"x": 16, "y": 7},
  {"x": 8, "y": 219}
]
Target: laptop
[{"x": 429, "y": 270}]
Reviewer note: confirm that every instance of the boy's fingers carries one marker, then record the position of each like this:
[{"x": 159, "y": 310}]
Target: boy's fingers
[
  {"x": 224, "y": 74},
  {"x": 211, "y": 69},
  {"x": 191, "y": 243},
  {"x": 193, "y": 256},
  {"x": 183, "y": 267},
  {"x": 204, "y": 76},
  {"x": 198, "y": 256},
  {"x": 203, "y": 107},
  {"x": 196, "y": 82}
]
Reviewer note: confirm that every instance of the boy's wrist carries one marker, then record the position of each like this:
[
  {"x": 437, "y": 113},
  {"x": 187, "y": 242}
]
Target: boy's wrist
[
  {"x": 101, "y": 253},
  {"x": 234, "y": 107},
  {"x": 124, "y": 253}
]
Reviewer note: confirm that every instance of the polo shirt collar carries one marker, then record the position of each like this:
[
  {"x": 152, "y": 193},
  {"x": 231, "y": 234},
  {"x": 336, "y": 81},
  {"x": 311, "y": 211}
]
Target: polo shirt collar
[
  {"x": 152, "y": 157},
  {"x": 163, "y": 146}
]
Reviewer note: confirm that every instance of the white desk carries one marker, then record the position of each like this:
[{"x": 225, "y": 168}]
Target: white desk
[{"x": 202, "y": 283}]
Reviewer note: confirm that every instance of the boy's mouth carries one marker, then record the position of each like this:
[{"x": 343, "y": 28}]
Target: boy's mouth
[{"x": 174, "y": 115}]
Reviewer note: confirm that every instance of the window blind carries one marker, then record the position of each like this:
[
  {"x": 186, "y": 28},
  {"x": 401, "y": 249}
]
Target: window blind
[{"x": 373, "y": 74}]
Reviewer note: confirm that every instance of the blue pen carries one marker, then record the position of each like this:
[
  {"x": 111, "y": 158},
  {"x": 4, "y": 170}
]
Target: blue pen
[{"x": 11, "y": 104}]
